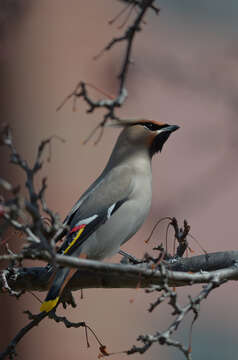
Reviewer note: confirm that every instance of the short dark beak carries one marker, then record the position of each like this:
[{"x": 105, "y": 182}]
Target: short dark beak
[{"x": 171, "y": 128}]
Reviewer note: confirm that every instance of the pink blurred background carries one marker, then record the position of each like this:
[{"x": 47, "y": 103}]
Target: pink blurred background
[{"x": 184, "y": 72}]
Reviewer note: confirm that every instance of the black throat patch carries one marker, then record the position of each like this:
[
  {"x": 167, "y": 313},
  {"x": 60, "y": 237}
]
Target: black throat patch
[{"x": 158, "y": 142}]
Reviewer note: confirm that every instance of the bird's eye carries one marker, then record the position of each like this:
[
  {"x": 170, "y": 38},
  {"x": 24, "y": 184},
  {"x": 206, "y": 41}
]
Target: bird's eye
[{"x": 150, "y": 126}]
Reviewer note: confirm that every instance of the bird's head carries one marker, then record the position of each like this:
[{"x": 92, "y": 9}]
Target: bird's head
[{"x": 146, "y": 133}]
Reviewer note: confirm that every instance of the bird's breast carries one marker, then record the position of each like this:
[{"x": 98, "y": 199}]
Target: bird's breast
[{"x": 122, "y": 225}]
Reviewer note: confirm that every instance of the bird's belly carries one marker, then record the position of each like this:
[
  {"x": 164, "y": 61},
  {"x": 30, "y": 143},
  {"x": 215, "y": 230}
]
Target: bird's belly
[{"x": 121, "y": 226}]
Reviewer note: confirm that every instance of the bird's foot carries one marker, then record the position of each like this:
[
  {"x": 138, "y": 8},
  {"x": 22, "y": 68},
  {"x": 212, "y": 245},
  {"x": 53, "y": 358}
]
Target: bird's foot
[{"x": 129, "y": 258}]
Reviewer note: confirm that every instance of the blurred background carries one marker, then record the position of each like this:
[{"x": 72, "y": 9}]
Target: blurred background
[{"x": 184, "y": 72}]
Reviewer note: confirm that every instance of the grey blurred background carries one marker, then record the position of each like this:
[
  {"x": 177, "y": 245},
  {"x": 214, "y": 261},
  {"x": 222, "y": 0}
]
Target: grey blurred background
[{"x": 184, "y": 72}]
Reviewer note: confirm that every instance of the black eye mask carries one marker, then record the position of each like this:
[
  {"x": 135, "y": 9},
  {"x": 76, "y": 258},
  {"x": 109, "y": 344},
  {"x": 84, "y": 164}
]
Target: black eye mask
[{"x": 152, "y": 126}]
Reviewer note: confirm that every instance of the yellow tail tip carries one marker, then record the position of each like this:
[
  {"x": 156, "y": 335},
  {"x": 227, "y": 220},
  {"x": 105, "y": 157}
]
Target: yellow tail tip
[{"x": 49, "y": 305}]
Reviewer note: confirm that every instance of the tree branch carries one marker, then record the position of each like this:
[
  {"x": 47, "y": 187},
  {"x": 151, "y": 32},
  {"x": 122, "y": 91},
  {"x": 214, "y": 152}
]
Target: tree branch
[{"x": 96, "y": 274}]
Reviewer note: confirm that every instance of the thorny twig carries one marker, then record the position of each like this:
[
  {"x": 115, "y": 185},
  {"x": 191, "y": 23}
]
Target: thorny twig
[
  {"x": 129, "y": 36},
  {"x": 17, "y": 207},
  {"x": 180, "y": 235},
  {"x": 179, "y": 311},
  {"x": 69, "y": 324},
  {"x": 36, "y": 319},
  {"x": 108, "y": 103}
]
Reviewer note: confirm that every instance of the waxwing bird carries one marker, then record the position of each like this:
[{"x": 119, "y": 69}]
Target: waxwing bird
[{"x": 115, "y": 206}]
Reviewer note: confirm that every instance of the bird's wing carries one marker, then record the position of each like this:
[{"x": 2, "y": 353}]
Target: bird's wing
[{"x": 96, "y": 207}]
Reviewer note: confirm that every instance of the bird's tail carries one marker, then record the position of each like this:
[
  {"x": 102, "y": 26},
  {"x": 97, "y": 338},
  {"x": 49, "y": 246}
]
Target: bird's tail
[{"x": 56, "y": 289}]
